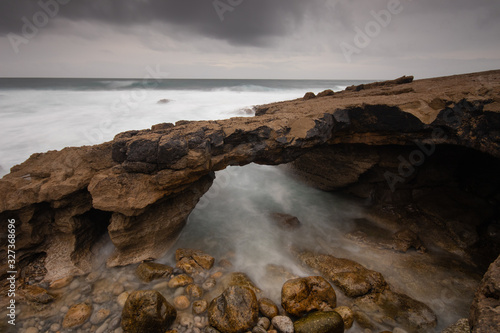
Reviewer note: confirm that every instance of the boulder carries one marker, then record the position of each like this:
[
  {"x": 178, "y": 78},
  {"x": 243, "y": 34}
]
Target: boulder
[
  {"x": 388, "y": 307},
  {"x": 147, "y": 311},
  {"x": 484, "y": 315},
  {"x": 149, "y": 271},
  {"x": 352, "y": 278},
  {"x": 325, "y": 93},
  {"x": 235, "y": 311},
  {"x": 320, "y": 322},
  {"x": 303, "y": 295},
  {"x": 308, "y": 96}
]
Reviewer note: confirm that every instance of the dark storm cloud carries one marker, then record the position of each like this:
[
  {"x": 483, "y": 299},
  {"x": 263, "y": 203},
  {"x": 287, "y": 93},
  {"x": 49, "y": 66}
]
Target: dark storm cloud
[{"x": 247, "y": 23}]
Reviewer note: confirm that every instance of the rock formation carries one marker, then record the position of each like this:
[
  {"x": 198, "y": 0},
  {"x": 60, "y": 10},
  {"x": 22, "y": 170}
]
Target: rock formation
[{"x": 393, "y": 143}]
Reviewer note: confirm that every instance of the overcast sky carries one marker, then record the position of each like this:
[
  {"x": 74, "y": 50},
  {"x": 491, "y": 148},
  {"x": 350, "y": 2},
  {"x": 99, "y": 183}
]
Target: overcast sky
[{"x": 286, "y": 39}]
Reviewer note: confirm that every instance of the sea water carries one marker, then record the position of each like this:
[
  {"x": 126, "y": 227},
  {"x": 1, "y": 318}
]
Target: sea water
[
  {"x": 232, "y": 218},
  {"x": 46, "y": 114}
]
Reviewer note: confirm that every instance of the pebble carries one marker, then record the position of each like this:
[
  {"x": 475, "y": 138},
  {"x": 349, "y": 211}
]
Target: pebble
[
  {"x": 181, "y": 302},
  {"x": 200, "y": 306},
  {"x": 398, "y": 330},
  {"x": 102, "y": 328},
  {"x": 31, "y": 330},
  {"x": 55, "y": 327},
  {"x": 99, "y": 316},
  {"x": 64, "y": 309},
  {"x": 209, "y": 284},
  {"x": 117, "y": 289},
  {"x": 283, "y": 324},
  {"x": 118, "y": 330},
  {"x": 122, "y": 298},
  {"x": 259, "y": 329},
  {"x": 92, "y": 277},
  {"x": 186, "y": 320},
  {"x": 74, "y": 284},
  {"x": 264, "y": 322},
  {"x": 161, "y": 285}
]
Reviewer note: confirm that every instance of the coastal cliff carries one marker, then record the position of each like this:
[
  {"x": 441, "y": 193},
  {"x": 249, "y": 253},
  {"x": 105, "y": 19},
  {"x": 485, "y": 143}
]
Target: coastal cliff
[{"x": 424, "y": 153}]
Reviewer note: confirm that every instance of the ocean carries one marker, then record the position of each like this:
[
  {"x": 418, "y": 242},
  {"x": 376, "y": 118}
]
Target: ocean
[{"x": 42, "y": 114}]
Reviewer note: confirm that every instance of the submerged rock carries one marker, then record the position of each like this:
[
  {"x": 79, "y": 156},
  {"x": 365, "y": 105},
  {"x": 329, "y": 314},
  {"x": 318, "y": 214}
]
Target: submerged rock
[
  {"x": 347, "y": 315},
  {"x": 191, "y": 261},
  {"x": 236, "y": 310},
  {"x": 149, "y": 271},
  {"x": 286, "y": 221},
  {"x": 352, "y": 278},
  {"x": 320, "y": 322},
  {"x": 77, "y": 315},
  {"x": 147, "y": 311},
  {"x": 37, "y": 294},
  {"x": 303, "y": 295},
  {"x": 388, "y": 307}
]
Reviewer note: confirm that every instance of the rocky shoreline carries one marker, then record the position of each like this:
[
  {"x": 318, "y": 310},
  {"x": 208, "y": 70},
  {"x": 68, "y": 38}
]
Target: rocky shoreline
[{"x": 424, "y": 154}]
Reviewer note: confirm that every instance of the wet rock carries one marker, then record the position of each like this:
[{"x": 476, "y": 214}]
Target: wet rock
[
  {"x": 181, "y": 302},
  {"x": 37, "y": 294},
  {"x": 264, "y": 322},
  {"x": 461, "y": 326},
  {"x": 236, "y": 310},
  {"x": 99, "y": 316},
  {"x": 122, "y": 298},
  {"x": 194, "y": 291},
  {"x": 286, "y": 221},
  {"x": 303, "y": 295},
  {"x": 180, "y": 281},
  {"x": 258, "y": 329},
  {"x": 61, "y": 283},
  {"x": 149, "y": 271},
  {"x": 320, "y": 322},
  {"x": 191, "y": 261},
  {"x": 347, "y": 316},
  {"x": 308, "y": 96},
  {"x": 209, "y": 329},
  {"x": 209, "y": 284},
  {"x": 200, "y": 306},
  {"x": 77, "y": 315},
  {"x": 268, "y": 308},
  {"x": 241, "y": 280},
  {"x": 147, "y": 311},
  {"x": 283, "y": 324},
  {"x": 389, "y": 307},
  {"x": 484, "y": 315},
  {"x": 352, "y": 278},
  {"x": 406, "y": 239}
]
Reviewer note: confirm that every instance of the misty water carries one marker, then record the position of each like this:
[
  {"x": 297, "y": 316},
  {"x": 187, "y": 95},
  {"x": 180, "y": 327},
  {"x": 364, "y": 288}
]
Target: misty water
[{"x": 231, "y": 221}]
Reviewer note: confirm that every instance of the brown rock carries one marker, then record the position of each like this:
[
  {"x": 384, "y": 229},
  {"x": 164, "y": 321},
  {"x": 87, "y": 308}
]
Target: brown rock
[
  {"x": 236, "y": 310},
  {"x": 181, "y": 302},
  {"x": 37, "y": 294},
  {"x": 147, "y": 311},
  {"x": 192, "y": 261},
  {"x": 149, "y": 271},
  {"x": 320, "y": 322},
  {"x": 77, "y": 315},
  {"x": 61, "y": 283},
  {"x": 240, "y": 279},
  {"x": 347, "y": 316},
  {"x": 387, "y": 306},
  {"x": 181, "y": 280},
  {"x": 484, "y": 316},
  {"x": 194, "y": 291},
  {"x": 308, "y": 96},
  {"x": 268, "y": 308},
  {"x": 286, "y": 221},
  {"x": 352, "y": 278},
  {"x": 303, "y": 295},
  {"x": 200, "y": 307},
  {"x": 326, "y": 93}
]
